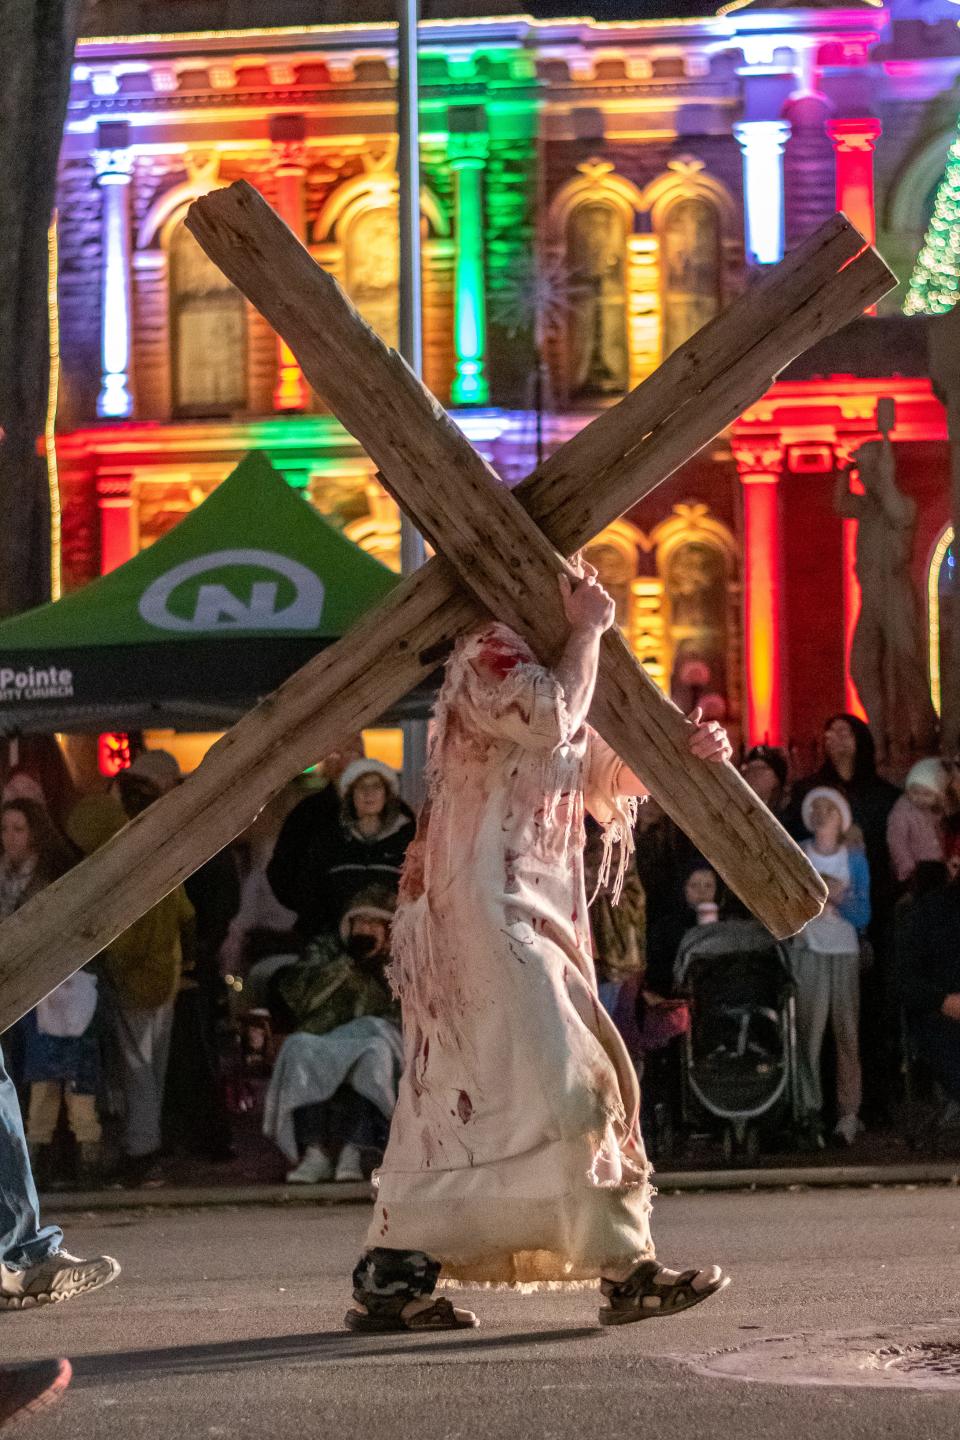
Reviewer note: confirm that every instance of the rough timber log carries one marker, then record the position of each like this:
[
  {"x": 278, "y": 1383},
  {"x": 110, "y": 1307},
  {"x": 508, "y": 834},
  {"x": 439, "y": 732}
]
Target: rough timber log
[
  {"x": 699, "y": 390},
  {"x": 498, "y": 549}
]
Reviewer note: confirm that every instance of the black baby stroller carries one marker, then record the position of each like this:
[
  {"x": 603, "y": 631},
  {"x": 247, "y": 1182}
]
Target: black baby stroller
[{"x": 740, "y": 1052}]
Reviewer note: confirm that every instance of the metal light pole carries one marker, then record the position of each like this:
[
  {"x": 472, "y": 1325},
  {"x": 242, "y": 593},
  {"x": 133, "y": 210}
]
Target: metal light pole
[{"x": 412, "y": 553}]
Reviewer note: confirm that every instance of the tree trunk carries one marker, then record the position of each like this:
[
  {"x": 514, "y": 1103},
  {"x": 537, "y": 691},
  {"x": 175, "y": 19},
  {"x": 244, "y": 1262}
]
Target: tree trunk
[{"x": 37, "y": 39}]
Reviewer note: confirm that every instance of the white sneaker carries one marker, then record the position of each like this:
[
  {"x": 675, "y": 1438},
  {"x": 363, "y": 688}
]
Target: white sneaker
[
  {"x": 348, "y": 1165},
  {"x": 848, "y": 1127},
  {"x": 60, "y": 1277},
  {"x": 315, "y": 1167}
]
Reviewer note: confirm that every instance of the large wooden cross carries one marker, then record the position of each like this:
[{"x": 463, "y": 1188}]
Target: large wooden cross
[{"x": 498, "y": 552}]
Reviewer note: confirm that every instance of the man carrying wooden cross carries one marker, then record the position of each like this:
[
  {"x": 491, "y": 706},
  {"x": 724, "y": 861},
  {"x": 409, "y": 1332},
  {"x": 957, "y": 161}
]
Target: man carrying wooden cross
[
  {"x": 507, "y": 550},
  {"x": 515, "y": 1154}
]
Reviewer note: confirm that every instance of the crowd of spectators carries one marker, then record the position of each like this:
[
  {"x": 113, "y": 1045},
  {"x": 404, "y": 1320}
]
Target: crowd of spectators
[
  {"x": 879, "y": 970},
  {"x": 261, "y": 984}
]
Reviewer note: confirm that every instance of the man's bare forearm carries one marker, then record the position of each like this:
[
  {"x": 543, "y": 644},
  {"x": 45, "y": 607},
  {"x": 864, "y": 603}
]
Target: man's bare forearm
[{"x": 576, "y": 672}]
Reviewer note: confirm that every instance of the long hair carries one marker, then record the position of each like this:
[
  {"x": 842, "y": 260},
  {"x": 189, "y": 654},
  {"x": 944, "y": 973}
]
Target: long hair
[
  {"x": 55, "y": 855},
  {"x": 865, "y": 761}
]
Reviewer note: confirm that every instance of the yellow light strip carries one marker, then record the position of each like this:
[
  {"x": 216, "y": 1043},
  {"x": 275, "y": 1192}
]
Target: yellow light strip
[
  {"x": 933, "y": 613},
  {"x": 50, "y": 436},
  {"x": 374, "y": 26}
]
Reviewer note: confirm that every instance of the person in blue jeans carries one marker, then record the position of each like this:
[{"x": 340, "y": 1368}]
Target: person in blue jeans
[{"x": 34, "y": 1267}]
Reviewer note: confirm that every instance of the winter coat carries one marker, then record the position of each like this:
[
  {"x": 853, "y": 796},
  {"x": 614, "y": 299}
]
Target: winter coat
[
  {"x": 319, "y": 864},
  {"x": 928, "y": 950}
]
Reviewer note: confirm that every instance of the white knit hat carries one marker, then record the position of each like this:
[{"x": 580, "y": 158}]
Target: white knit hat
[
  {"x": 826, "y": 792},
  {"x": 359, "y": 768},
  {"x": 930, "y": 774}
]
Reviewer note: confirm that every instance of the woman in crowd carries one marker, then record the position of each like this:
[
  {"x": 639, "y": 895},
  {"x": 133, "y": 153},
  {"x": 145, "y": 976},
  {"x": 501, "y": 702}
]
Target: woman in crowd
[
  {"x": 60, "y": 1051},
  {"x": 699, "y": 901},
  {"x": 143, "y": 968},
  {"x": 310, "y": 831},
  {"x": 374, "y": 832},
  {"x": 915, "y": 826},
  {"x": 765, "y": 769},
  {"x": 826, "y": 958},
  {"x": 928, "y": 963},
  {"x": 34, "y": 853},
  {"x": 850, "y": 767}
]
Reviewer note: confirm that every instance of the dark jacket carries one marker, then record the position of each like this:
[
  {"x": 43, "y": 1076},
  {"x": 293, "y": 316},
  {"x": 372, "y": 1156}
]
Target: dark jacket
[
  {"x": 870, "y": 797},
  {"x": 318, "y": 864},
  {"x": 928, "y": 950}
]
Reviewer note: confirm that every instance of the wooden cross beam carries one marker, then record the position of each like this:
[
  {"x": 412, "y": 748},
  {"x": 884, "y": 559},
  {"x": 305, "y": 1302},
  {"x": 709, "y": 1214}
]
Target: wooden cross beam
[{"x": 621, "y": 456}]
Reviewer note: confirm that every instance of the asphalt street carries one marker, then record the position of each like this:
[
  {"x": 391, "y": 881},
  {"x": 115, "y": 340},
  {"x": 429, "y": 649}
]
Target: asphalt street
[{"x": 227, "y": 1322}]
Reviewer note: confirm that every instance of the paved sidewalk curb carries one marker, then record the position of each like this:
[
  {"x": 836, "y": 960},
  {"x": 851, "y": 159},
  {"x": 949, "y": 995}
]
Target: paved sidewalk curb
[{"x": 189, "y": 1197}]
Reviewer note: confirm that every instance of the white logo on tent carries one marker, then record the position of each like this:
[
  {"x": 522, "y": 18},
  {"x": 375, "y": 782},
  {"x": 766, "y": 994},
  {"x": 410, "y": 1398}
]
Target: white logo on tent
[{"x": 217, "y": 608}]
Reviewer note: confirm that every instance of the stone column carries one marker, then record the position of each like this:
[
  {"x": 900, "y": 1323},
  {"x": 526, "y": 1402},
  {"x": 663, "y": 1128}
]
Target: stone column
[
  {"x": 760, "y": 468},
  {"x": 762, "y": 143},
  {"x": 118, "y": 530},
  {"x": 288, "y": 133},
  {"x": 468, "y": 155},
  {"x": 854, "y": 141},
  {"x": 114, "y": 169}
]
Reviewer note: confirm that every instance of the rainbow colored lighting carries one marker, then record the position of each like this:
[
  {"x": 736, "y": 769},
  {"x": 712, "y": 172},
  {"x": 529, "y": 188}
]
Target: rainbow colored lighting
[
  {"x": 762, "y": 143},
  {"x": 763, "y": 591},
  {"x": 470, "y": 386},
  {"x": 115, "y": 401}
]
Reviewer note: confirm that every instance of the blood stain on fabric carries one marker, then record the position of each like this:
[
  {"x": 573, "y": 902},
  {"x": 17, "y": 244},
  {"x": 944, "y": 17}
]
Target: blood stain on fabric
[{"x": 464, "y": 1107}]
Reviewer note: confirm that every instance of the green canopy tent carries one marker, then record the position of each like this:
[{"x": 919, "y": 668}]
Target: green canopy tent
[{"x": 193, "y": 631}]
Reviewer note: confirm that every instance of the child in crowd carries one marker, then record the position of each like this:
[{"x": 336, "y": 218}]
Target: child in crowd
[
  {"x": 62, "y": 1066},
  {"x": 826, "y": 958},
  {"x": 915, "y": 825}
]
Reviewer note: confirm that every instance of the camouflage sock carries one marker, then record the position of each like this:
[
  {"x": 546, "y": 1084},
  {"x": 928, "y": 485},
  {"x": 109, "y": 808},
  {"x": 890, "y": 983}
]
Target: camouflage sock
[{"x": 384, "y": 1281}]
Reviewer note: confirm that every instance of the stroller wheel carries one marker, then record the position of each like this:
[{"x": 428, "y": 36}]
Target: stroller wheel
[{"x": 729, "y": 1146}]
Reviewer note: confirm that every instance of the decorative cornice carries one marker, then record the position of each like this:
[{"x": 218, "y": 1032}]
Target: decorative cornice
[
  {"x": 113, "y": 167},
  {"x": 468, "y": 150}
]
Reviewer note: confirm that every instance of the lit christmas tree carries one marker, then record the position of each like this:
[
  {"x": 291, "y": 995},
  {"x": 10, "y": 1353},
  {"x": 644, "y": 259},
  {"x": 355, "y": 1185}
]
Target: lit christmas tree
[{"x": 935, "y": 282}]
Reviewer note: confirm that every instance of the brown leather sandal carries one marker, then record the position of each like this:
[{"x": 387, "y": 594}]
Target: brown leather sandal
[
  {"x": 653, "y": 1290},
  {"x": 441, "y": 1315}
]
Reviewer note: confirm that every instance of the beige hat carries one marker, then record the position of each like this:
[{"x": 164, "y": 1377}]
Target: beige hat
[
  {"x": 929, "y": 774},
  {"x": 826, "y": 792},
  {"x": 158, "y": 766},
  {"x": 359, "y": 768}
]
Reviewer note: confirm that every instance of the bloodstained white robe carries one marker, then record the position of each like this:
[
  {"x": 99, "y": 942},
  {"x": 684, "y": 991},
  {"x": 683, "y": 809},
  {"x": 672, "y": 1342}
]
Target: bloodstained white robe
[{"x": 514, "y": 1154}]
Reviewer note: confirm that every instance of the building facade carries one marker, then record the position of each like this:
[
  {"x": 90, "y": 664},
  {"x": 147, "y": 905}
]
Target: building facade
[{"x": 592, "y": 194}]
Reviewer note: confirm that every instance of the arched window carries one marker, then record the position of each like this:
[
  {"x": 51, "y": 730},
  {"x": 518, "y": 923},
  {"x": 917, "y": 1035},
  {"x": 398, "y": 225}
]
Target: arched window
[
  {"x": 596, "y": 265},
  {"x": 697, "y": 560},
  {"x": 942, "y": 613},
  {"x": 207, "y": 333},
  {"x": 372, "y": 269},
  {"x": 690, "y": 269}
]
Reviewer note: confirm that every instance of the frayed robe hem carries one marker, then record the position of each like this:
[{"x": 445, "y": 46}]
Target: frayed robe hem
[{"x": 489, "y": 1238}]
